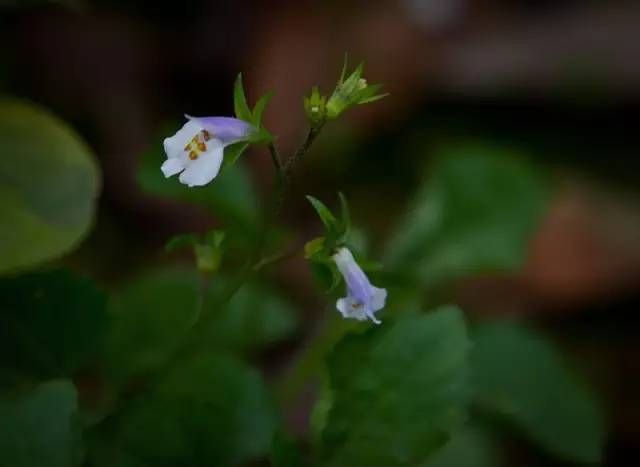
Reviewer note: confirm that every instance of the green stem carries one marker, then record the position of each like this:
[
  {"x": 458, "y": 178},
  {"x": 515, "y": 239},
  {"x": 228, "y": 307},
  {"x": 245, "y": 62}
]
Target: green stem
[
  {"x": 196, "y": 332},
  {"x": 277, "y": 161},
  {"x": 312, "y": 134}
]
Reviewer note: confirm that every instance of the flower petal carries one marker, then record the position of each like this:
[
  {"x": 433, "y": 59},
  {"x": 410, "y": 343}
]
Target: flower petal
[
  {"x": 226, "y": 129},
  {"x": 357, "y": 282},
  {"x": 174, "y": 145},
  {"x": 378, "y": 298},
  {"x": 172, "y": 166},
  {"x": 343, "y": 306},
  {"x": 204, "y": 169},
  {"x": 373, "y": 318},
  {"x": 350, "y": 308}
]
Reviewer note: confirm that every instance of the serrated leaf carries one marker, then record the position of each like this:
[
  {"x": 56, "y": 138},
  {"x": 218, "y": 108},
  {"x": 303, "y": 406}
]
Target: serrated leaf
[
  {"x": 240, "y": 106},
  {"x": 521, "y": 377},
  {"x": 38, "y": 428},
  {"x": 49, "y": 182},
  {"x": 51, "y": 324},
  {"x": 398, "y": 391},
  {"x": 476, "y": 212},
  {"x": 213, "y": 410}
]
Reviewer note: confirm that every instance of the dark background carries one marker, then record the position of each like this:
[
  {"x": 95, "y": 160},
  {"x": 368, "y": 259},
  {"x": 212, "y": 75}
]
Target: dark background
[{"x": 558, "y": 79}]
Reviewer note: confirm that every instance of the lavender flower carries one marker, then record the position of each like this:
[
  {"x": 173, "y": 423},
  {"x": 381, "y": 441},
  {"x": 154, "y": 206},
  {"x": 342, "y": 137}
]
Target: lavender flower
[
  {"x": 197, "y": 149},
  {"x": 363, "y": 299}
]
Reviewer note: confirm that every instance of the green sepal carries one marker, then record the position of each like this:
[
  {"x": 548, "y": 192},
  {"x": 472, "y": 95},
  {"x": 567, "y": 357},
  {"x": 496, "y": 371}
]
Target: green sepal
[
  {"x": 345, "y": 217},
  {"x": 326, "y": 216},
  {"x": 244, "y": 112},
  {"x": 314, "y": 248},
  {"x": 240, "y": 105},
  {"x": 259, "y": 109},
  {"x": 354, "y": 90}
]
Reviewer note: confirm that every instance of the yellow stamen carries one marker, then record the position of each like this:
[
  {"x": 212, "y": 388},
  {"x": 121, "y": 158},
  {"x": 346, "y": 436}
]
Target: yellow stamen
[{"x": 197, "y": 145}]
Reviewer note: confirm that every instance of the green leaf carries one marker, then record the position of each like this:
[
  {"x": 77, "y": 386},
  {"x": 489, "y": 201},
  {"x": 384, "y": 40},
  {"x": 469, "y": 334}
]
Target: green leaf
[
  {"x": 254, "y": 318},
  {"x": 230, "y": 197},
  {"x": 241, "y": 108},
  {"x": 476, "y": 213},
  {"x": 38, "y": 428},
  {"x": 152, "y": 313},
  {"x": 178, "y": 242},
  {"x": 471, "y": 447},
  {"x": 523, "y": 378},
  {"x": 150, "y": 316},
  {"x": 327, "y": 218},
  {"x": 285, "y": 452},
  {"x": 49, "y": 182},
  {"x": 231, "y": 155},
  {"x": 398, "y": 391},
  {"x": 210, "y": 411},
  {"x": 51, "y": 324}
]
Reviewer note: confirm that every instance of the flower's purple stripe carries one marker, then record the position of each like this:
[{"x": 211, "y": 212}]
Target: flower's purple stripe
[{"x": 227, "y": 129}]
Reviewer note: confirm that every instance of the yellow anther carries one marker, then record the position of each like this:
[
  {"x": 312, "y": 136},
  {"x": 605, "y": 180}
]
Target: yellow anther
[{"x": 197, "y": 145}]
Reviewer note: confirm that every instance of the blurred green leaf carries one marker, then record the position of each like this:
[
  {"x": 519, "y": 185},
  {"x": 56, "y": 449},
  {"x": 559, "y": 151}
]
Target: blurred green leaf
[
  {"x": 38, "y": 428},
  {"x": 285, "y": 452},
  {"x": 48, "y": 186},
  {"x": 178, "y": 242},
  {"x": 471, "y": 447},
  {"x": 51, "y": 323},
  {"x": 398, "y": 391},
  {"x": 523, "y": 378},
  {"x": 212, "y": 411},
  {"x": 149, "y": 317},
  {"x": 477, "y": 212},
  {"x": 255, "y": 317},
  {"x": 231, "y": 198},
  {"x": 152, "y": 313},
  {"x": 314, "y": 247},
  {"x": 231, "y": 155}
]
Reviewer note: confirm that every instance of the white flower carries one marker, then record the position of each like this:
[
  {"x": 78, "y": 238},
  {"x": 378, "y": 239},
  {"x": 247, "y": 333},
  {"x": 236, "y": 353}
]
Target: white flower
[
  {"x": 197, "y": 149},
  {"x": 363, "y": 299}
]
